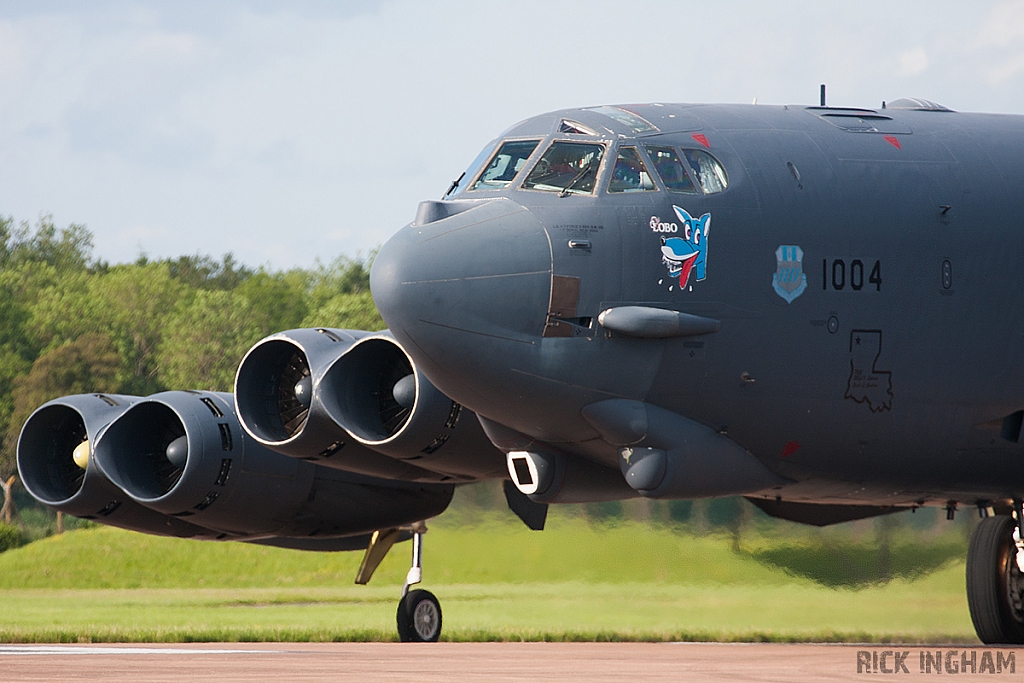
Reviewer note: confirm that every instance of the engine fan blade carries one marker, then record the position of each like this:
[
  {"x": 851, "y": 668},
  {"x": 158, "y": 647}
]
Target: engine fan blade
[
  {"x": 293, "y": 408},
  {"x": 393, "y": 414},
  {"x": 65, "y": 437}
]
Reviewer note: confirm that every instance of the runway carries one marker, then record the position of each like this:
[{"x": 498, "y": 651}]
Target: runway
[{"x": 495, "y": 662}]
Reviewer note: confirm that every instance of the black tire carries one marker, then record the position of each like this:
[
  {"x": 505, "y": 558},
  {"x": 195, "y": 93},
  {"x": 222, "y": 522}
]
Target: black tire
[
  {"x": 419, "y": 618},
  {"x": 994, "y": 582}
]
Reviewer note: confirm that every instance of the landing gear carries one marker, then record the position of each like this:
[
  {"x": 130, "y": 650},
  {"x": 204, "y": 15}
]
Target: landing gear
[
  {"x": 419, "y": 617},
  {"x": 419, "y": 612},
  {"x": 995, "y": 582}
]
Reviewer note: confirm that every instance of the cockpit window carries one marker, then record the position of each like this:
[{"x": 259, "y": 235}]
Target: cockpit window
[
  {"x": 670, "y": 168},
  {"x": 574, "y": 128},
  {"x": 707, "y": 170},
  {"x": 458, "y": 187},
  {"x": 504, "y": 165},
  {"x": 630, "y": 174},
  {"x": 566, "y": 168},
  {"x": 627, "y": 118}
]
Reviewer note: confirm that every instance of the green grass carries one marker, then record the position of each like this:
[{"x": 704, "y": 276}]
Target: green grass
[
  {"x": 530, "y": 611},
  {"x": 482, "y": 554},
  {"x": 496, "y": 581}
]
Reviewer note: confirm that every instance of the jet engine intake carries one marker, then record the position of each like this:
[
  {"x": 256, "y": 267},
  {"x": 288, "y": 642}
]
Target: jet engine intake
[
  {"x": 274, "y": 391},
  {"x": 56, "y": 463},
  {"x": 378, "y": 395},
  {"x": 277, "y": 395}
]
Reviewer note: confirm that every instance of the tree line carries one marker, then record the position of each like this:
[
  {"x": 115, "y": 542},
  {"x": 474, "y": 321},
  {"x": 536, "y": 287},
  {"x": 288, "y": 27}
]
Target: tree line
[{"x": 73, "y": 323}]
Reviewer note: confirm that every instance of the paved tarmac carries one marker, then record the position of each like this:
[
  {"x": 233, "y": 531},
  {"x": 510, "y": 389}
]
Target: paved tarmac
[{"x": 499, "y": 662}]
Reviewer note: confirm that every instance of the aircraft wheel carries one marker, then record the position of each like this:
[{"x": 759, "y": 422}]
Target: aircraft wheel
[
  {"x": 419, "y": 617},
  {"x": 995, "y": 585}
]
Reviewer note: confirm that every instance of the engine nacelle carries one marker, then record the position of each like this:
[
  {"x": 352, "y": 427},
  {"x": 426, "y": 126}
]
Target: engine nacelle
[
  {"x": 278, "y": 404},
  {"x": 184, "y": 454},
  {"x": 379, "y": 396},
  {"x": 57, "y": 465}
]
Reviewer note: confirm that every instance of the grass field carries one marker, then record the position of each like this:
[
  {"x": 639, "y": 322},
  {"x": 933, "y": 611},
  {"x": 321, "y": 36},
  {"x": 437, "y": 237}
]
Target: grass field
[{"x": 496, "y": 581}]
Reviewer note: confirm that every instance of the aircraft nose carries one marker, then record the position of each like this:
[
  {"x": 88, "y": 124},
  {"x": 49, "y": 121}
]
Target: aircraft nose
[{"x": 457, "y": 289}]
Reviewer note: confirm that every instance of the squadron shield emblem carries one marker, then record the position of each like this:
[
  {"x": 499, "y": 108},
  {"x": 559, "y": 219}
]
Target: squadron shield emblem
[{"x": 789, "y": 280}]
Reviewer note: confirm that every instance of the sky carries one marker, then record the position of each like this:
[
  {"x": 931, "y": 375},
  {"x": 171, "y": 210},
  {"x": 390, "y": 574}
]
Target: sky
[{"x": 285, "y": 132}]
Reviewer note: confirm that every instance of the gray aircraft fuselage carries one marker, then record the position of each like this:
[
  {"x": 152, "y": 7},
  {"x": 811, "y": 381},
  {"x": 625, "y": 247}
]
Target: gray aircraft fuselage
[{"x": 863, "y": 264}]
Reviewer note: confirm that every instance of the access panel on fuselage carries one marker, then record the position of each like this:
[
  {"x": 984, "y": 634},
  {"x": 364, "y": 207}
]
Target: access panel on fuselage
[{"x": 586, "y": 258}]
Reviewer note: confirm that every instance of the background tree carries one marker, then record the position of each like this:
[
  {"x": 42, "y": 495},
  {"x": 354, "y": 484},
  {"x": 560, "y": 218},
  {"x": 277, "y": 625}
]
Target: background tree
[
  {"x": 204, "y": 338},
  {"x": 344, "y": 275},
  {"x": 86, "y": 365},
  {"x": 67, "y": 248},
  {"x": 339, "y": 296},
  {"x": 280, "y": 299},
  {"x": 205, "y": 272},
  {"x": 129, "y": 303},
  {"x": 347, "y": 311}
]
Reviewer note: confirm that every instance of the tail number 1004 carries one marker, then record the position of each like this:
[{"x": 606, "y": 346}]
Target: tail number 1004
[{"x": 838, "y": 274}]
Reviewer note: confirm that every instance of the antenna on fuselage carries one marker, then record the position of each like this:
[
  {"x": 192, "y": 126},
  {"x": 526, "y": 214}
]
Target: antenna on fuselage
[{"x": 822, "y": 94}]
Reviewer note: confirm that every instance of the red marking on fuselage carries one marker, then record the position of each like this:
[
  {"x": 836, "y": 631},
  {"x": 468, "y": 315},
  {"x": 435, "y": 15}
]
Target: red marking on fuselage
[
  {"x": 790, "y": 448},
  {"x": 893, "y": 140},
  {"x": 684, "y": 274},
  {"x": 702, "y": 139}
]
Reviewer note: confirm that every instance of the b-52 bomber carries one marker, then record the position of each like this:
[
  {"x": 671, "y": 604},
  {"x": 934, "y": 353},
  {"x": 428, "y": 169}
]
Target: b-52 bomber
[{"x": 814, "y": 307}]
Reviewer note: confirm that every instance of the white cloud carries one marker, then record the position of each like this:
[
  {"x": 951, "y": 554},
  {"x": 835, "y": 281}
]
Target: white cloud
[
  {"x": 12, "y": 62},
  {"x": 1003, "y": 26},
  {"x": 1005, "y": 69},
  {"x": 999, "y": 40},
  {"x": 913, "y": 62},
  {"x": 163, "y": 46}
]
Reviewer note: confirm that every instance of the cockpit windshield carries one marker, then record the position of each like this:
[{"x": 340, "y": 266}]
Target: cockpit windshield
[
  {"x": 566, "y": 168},
  {"x": 708, "y": 171},
  {"x": 630, "y": 174},
  {"x": 671, "y": 169},
  {"x": 504, "y": 165},
  {"x": 704, "y": 168},
  {"x": 627, "y": 118},
  {"x": 457, "y": 186}
]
